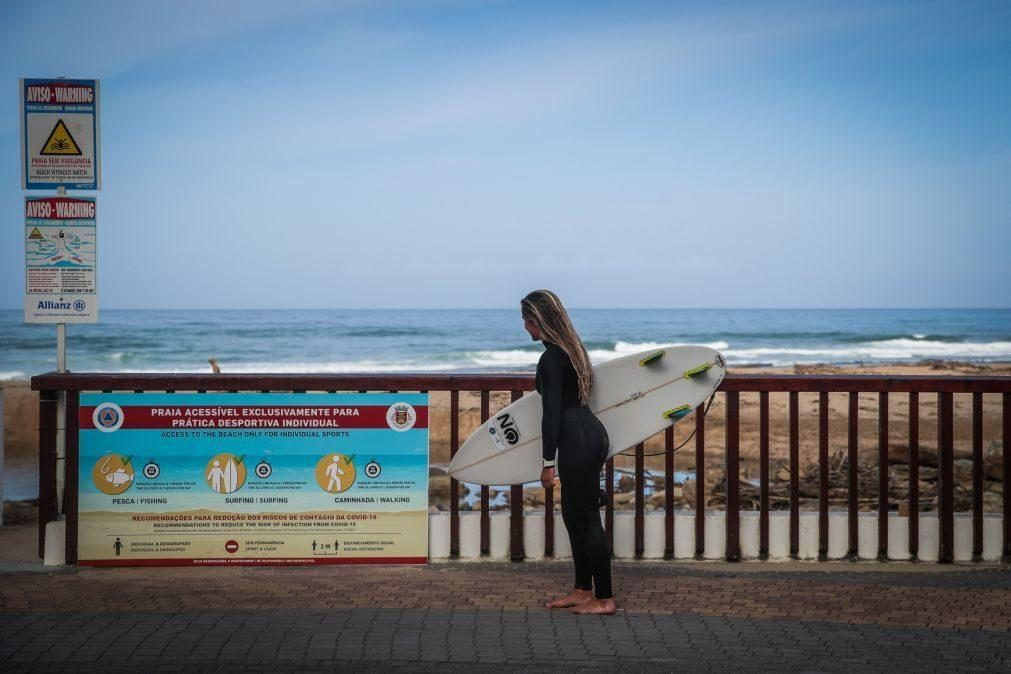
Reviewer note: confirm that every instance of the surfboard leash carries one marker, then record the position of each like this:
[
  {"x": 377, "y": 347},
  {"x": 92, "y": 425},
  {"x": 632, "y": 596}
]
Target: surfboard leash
[{"x": 687, "y": 440}]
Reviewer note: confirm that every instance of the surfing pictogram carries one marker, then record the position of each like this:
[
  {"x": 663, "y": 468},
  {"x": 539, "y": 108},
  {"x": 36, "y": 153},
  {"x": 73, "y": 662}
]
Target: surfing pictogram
[
  {"x": 226, "y": 473},
  {"x": 60, "y": 141}
]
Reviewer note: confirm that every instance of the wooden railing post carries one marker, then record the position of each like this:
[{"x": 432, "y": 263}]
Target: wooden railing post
[
  {"x": 700, "y": 482},
  {"x": 640, "y": 506},
  {"x": 733, "y": 478},
  {"x": 485, "y": 493},
  {"x": 516, "y": 549},
  {"x": 883, "y": 477},
  {"x": 946, "y": 470},
  {"x": 668, "y": 511},
  {"x": 70, "y": 482},
  {"x": 48, "y": 506},
  {"x": 1006, "y": 472},
  {"x": 823, "y": 475},
  {"x": 853, "y": 460},
  {"x": 914, "y": 474},
  {"x": 977, "y": 477},
  {"x": 454, "y": 486},
  {"x": 763, "y": 474},
  {"x": 794, "y": 474}
]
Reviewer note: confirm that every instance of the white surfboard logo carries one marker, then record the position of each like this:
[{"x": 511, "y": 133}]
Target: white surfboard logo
[{"x": 504, "y": 431}]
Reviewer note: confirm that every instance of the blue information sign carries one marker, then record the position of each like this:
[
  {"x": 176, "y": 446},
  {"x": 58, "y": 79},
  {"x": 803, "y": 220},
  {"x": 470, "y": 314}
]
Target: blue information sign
[{"x": 257, "y": 478}]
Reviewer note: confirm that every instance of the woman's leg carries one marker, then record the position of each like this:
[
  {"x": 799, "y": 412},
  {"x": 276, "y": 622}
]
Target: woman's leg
[
  {"x": 577, "y": 535},
  {"x": 584, "y": 576},
  {"x": 597, "y": 549}
]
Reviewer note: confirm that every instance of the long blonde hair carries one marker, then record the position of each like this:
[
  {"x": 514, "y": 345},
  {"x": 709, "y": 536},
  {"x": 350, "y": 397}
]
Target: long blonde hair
[{"x": 545, "y": 310}]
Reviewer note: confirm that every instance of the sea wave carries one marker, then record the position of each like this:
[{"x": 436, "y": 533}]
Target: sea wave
[
  {"x": 337, "y": 367},
  {"x": 516, "y": 358},
  {"x": 891, "y": 350},
  {"x": 12, "y": 375}
]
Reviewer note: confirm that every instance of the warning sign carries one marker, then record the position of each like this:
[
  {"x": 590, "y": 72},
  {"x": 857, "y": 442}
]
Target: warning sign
[
  {"x": 60, "y": 134},
  {"x": 60, "y": 260},
  {"x": 60, "y": 141}
]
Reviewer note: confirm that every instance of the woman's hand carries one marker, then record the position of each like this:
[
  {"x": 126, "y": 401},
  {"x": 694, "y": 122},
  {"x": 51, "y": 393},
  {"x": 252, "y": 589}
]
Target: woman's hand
[{"x": 548, "y": 477}]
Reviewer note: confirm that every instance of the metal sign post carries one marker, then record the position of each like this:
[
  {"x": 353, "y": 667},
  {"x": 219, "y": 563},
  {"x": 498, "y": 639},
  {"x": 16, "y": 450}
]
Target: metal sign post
[{"x": 60, "y": 148}]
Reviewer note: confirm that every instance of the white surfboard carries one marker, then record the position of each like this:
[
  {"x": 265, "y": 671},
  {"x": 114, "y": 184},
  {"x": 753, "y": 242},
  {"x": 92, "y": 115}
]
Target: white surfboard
[
  {"x": 635, "y": 397},
  {"x": 231, "y": 477}
]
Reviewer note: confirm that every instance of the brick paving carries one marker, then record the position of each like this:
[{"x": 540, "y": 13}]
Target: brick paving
[{"x": 448, "y": 617}]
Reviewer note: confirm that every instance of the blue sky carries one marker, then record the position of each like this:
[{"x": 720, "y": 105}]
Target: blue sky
[{"x": 442, "y": 154}]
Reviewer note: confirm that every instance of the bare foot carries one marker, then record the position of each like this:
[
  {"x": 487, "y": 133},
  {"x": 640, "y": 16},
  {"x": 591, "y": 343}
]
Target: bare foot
[
  {"x": 597, "y": 606},
  {"x": 574, "y": 598}
]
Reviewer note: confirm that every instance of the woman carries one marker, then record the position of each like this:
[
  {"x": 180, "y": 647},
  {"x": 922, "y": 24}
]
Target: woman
[{"x": 580, "y": 441}]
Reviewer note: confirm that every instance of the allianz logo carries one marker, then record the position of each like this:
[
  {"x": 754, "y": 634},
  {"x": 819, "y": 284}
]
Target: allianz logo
[{"x": 79, "y": 305}]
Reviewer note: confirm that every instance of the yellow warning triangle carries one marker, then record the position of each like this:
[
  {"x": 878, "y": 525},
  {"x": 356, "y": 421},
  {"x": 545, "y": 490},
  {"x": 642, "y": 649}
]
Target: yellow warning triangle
[
  {"x": 60, "y": 141},
  {"x": 36, "y": 234}
]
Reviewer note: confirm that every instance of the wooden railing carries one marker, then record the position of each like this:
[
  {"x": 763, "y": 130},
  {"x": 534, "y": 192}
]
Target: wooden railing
[{"x": 944, "y": 387}]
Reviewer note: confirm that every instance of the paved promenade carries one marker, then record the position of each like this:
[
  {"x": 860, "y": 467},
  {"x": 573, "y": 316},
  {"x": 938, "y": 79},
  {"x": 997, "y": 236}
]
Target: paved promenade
[{"x": 467, "y": 616}]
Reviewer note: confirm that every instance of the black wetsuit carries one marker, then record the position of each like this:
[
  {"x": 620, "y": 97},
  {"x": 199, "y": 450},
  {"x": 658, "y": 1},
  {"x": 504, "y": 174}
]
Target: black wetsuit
[{"x": 581, "y": 443}]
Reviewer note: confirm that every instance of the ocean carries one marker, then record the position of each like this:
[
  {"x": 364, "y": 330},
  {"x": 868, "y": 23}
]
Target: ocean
[{"x": 490, "y": 340}]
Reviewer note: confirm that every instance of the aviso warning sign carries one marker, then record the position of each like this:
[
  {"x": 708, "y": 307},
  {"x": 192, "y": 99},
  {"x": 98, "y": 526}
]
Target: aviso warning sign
[
  {"x": 60, "y": 260},
  {"x": 60, "y": 142}
]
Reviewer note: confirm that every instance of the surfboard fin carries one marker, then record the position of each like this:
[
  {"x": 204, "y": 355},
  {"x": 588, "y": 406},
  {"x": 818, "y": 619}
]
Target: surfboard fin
[
  {"x": 652, "y": 358},
  {"x": 677, "y": 412},
  {"x": 697, "y": 370}
]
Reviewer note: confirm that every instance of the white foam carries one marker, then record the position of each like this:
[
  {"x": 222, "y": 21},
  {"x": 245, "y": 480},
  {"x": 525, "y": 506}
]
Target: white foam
[
  {"x": 886, "y": 350},
  {"x": 12, "y": 375},
  {"x": 351, "y": 367},
  {"x": 514, "y": 358},
  {"x": 508, "y": 358}
]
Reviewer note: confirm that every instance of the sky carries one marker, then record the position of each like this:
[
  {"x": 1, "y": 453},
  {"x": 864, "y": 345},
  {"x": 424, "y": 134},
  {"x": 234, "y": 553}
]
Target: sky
[{"x": 299, "y": 154}]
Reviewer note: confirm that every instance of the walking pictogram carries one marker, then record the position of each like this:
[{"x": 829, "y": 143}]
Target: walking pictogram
[{"x": 60, "y": 141}]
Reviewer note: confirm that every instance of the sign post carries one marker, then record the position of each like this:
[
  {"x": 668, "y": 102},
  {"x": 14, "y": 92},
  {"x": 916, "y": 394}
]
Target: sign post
[{"x": 60, "y": 149}]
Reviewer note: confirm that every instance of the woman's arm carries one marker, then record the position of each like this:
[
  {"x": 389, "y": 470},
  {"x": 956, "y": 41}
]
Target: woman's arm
[{"x": 552, "y": 370}]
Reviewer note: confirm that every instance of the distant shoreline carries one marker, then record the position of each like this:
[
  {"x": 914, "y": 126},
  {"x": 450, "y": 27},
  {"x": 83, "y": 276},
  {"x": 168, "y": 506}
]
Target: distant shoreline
[{"x": 933, "y": 365}]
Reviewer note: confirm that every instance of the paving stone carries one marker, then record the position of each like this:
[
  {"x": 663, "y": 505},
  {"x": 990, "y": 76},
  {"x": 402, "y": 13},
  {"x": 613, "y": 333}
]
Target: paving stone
[{"x": 684, "y": 617}]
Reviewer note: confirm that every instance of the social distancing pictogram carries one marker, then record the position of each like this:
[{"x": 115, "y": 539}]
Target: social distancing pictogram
[{"x": 60, "y": 141}]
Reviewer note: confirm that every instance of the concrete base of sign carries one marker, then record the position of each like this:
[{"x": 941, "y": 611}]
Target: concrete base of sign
[{"x": 56, "y": 544}]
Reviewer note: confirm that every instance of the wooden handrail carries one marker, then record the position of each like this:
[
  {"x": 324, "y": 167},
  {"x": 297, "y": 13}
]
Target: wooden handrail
[{"x": 741, "y": 383}]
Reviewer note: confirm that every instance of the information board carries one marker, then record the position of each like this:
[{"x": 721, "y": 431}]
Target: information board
[
  {"x": 60, "y": 144},
  {"x": 60, "y": 260},
  {"x": 258, "y": 478}
]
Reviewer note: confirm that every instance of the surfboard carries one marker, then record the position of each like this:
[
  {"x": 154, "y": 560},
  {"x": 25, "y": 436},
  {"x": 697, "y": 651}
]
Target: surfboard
[
  {"x": 231, "y": 481},
  {"x": 635, "y": 397}
]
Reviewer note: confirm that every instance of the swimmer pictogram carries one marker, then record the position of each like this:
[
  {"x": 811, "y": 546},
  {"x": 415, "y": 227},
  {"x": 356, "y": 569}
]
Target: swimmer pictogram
[{"x": 60, "y": 141}]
